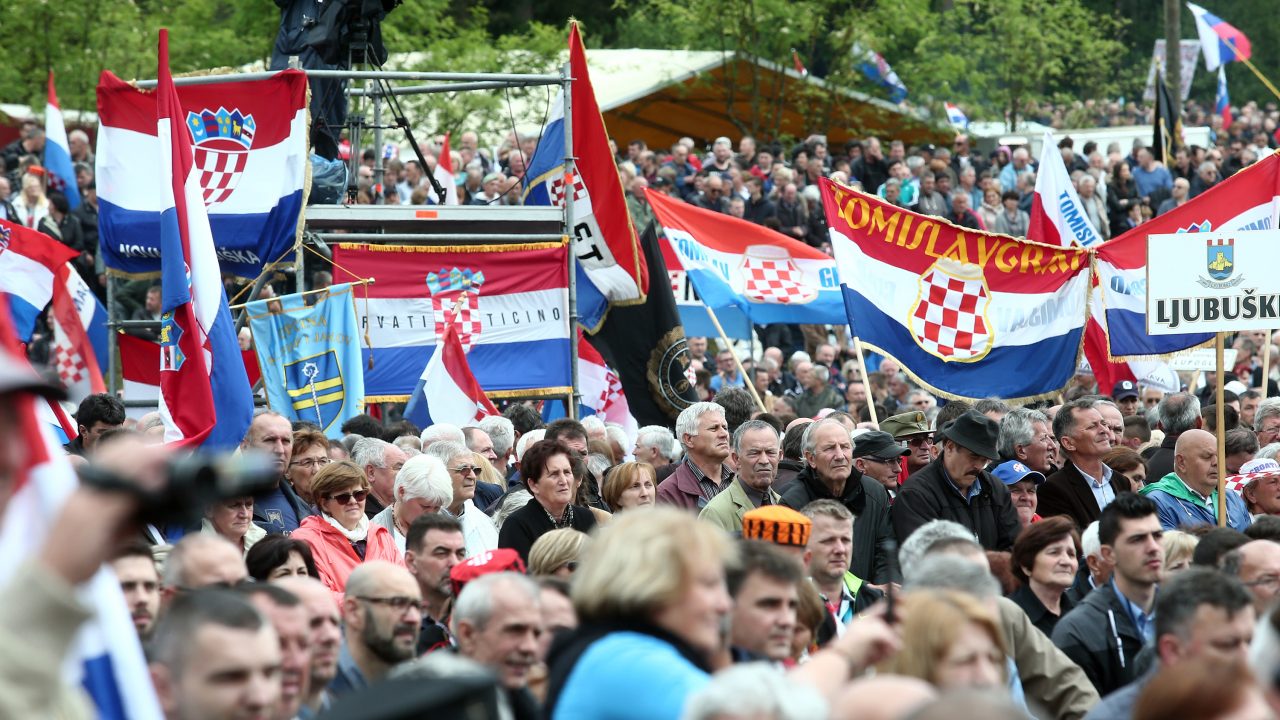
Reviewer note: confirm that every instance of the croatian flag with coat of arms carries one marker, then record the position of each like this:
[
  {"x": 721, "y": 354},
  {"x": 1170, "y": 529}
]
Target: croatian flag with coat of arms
[{"x": 967, "y": 313}]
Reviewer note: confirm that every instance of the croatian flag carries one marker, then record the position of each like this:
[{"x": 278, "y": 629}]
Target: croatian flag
[
  {"x": 969, "y": 314},
  {"x": 447, "y": 392},
  {"x": 611, "y": 269},
  {"x": 444, "y": 175},
  {"x": 204, "y": 393},
  {"x": 1057, "y": 215},
  {"x": 79, "y": 325},
  {"x": 29, "y": 265},
  {"x": 601, "y": 393},
  {"x": 876, "y": 68},
  {"x": 250, "y": 145},
  {"x": 765, "y": 275},
  {"x": 57, "y": 151},
  {"x": 106, "y": 657},
  {"x": 1248, "y": 200},
  {"x": 956, "y": 117},
  {"x": 140, "y": 370},
  {"x": 1220, "y": 41},
  {"x": 1223, "y": 101}
]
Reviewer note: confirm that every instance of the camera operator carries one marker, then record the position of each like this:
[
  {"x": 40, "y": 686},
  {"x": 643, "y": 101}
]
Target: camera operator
[{"x": 39, "y": 612}]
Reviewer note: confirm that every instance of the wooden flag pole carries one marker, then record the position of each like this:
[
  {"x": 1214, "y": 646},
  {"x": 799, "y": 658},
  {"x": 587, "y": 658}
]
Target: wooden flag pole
[
  {"x": 1266, "y": 365},
  {"x": 1221, "y": 433},
  {"x": 862, "y": 367},
  {"x": 749, "y": 382}
]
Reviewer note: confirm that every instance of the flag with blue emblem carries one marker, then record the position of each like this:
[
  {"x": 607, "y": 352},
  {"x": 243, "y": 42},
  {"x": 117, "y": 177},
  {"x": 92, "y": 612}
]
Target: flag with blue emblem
[{"x": 310, "y": 357}]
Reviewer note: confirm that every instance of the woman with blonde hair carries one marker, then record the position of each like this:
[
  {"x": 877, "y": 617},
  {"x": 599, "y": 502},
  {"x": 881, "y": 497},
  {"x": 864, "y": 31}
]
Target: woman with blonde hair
[
  {"x": 341, "y": 536},
  {"x": 951, "y": 640},
  {"x": 1178, "y": 548},
  {"x": 630, "y": 485},
  {"x": 557, "y": 553}
]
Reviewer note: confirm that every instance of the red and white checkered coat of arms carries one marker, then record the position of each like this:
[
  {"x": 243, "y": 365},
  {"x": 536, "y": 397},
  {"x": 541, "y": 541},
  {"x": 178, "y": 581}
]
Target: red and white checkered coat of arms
[
  {"x": 446, "y": 287},
  {"x": 772, "y": 277},
  {"x": 949, "y": 321},
  {"x": 221, "y": 142}
]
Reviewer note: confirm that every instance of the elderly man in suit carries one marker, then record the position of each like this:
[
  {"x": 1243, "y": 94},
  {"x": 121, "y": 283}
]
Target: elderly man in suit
[{"x": 1084, "y": 485}]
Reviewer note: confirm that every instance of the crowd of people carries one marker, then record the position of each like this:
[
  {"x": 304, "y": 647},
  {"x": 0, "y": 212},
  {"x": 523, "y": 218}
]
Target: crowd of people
[{"x": 979, "y": 560}]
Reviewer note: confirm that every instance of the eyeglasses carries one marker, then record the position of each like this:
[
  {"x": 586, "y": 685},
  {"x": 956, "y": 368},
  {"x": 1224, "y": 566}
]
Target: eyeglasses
[
  {"x": 311, "y": 463},
  {"x": 346, "y": 497},
  {"x": 399, "y": 603},
  {"x": 465, "y": 470},
  {"x": 891, "y": 462},
  {"x": 919, "y": 441}
]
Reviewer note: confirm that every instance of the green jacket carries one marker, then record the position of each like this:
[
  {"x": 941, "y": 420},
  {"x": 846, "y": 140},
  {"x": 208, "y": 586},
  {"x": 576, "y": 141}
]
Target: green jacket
[{"x": 726, "y": 509}]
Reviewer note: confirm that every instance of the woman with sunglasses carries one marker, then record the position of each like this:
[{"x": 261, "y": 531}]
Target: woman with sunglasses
[{"x": 341, "y": 536}]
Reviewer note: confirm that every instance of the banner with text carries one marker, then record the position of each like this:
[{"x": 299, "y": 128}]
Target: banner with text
[
  {"x": 968, "y": 313},
  {"x": 514, "y": 323},
  {"x": 1212, "y": 282}
]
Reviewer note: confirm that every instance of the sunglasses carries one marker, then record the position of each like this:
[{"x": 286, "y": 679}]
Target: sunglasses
[
  {"x": 346, "y": 497},
  {"x": 465, "y": 470},
  {"x": 918, "y": 441}
]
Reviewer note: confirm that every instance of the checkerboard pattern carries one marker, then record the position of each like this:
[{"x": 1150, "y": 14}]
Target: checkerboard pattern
[
  {"x": 948, "y": 321},
  {"x": 467, "y": 320},
  {"x": 70, "y": 365},
  {"x": 219, "y": 173},
  {"x": 775, "y": 281},
  {"x": 557, "y": 189}
]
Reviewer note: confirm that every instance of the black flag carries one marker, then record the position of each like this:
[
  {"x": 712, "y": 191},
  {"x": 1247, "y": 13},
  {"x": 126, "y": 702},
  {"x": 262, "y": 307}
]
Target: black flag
[
  {"x": 1167, "y": 135},
  {"x": 645, "y": 344}
]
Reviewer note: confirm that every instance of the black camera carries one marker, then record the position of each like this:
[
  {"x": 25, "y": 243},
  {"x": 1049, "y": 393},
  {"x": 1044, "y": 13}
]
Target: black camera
[{"x": 194, "y": 482}]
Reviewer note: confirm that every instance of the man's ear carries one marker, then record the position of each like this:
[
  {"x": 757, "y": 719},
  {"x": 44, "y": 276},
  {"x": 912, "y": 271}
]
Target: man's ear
[{"x": 1108, "y": 554}]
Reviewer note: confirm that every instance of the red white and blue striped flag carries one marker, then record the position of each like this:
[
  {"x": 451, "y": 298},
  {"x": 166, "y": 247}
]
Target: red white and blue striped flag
[
  {"x": 204, "y": 392},
  {"x": 106, "y": 657},
  {"x": 29, "y": 265},
  {"x": 447, "y": 392},
  {"x": 57, "y": 151}
]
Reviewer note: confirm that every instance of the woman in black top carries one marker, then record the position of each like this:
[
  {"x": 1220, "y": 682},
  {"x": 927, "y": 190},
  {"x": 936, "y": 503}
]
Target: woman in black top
[
  {"x": 1045, "y": 558},
  {"x": 548, "y": 473}
]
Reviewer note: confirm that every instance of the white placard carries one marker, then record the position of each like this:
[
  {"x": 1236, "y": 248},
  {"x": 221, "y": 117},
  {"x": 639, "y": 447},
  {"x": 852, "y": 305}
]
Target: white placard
[
  {"x": 1212, "y": 282},
  {"x": 1203, "y": 359}
]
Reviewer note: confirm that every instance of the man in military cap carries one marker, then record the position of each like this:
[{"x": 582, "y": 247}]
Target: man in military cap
[{"x": 912, "y": 430}]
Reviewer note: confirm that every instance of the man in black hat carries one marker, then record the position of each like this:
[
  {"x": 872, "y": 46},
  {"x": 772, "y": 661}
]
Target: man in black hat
[
  {"x": 1125, "y": 393},
  {"x": 878, "y": 456},
  {"x": 957, "y": 486}
]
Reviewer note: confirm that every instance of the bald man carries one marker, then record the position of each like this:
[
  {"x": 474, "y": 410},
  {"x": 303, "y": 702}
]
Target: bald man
[
  {"x": 1189, "y": 494},
  {"x": 201, "y": 560},
  {"x": 1257, "y": 564}
]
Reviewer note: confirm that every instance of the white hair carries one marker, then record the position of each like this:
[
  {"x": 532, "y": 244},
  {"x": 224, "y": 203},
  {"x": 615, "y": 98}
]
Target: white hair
[
  {"x": 798, "y": 357},
  {"x": 528, "y": 439},
  {"x": 425, "y": 477},
  {"x": 615, "y": 433},
  {"x": 756, "y": 689},
  {"x": 687, "y": 422},
  {"x": 918, "y": 543},
  {"x": 501, "y": 432},
  {"x": 442, "y": 431},
  {"x": 661, "y": 439},
  {"x": 592, "y": 424},
  {"x": 446, "y": 450},
  {"x": 1090, "y": 543},
  {"x": 474, "y": 604},
  {"x": 407, "y": 443},
  {"x": 370, "y": 451}
]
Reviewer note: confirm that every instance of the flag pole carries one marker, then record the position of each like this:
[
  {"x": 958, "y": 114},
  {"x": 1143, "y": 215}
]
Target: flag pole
[
  {"x": 365, "y": 281},
  {"x": 751, "y": 386},
  {"x": 1251, "y": 66},
  {"x": 862, "y": 367},
  {"x": 1266, "y": 365},
  {"x": 1221, "y": 433},
  {"x": 570, "y": 170}
]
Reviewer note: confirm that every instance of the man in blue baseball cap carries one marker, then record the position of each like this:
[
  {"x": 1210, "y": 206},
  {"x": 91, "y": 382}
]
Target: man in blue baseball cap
[{"x": 1022, "y": 482}]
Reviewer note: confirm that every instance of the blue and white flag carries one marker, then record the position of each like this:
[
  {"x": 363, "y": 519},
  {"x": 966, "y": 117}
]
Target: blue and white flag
[
  {"x": 876, "y": 68},
  {"x": 310, "y": 357},
  {"x": 956, "y": 117}
]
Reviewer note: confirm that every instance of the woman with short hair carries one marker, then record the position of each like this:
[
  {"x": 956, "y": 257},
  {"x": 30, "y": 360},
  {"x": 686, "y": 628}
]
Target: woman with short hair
[
  {"x": 630, "y": 485},
  {"x": 422, "y": 486},
  {"x": 309, "y": 456},
  {"x": 1045, "y": 559},
  {"x": 232, "y": 518},
  {"x": 547, "y": 469},
  {"x": 951, "y": 640},
  {"x": 341, "y": 536},
  {"x": 279, "y": 556},
  {"x": 557, "y": 553},
  {"x": 1129, "y": 464}
]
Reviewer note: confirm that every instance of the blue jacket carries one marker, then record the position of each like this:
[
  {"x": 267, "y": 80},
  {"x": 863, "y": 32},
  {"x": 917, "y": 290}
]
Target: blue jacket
[
  {"x": 1177, "y": 507},
  {"x": 626, "y": 675}
]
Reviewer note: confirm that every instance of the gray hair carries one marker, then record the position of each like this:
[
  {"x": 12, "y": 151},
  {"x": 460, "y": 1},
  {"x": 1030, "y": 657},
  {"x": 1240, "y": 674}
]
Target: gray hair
[
  {"x": 442, "y": 431},
  {"x": 445, "y": 451},
  {"x": 754, "y": 689},
  {"x": 592, "y": 423},
  {"x": 597, "y": 464},
  {"x": 501, "y": 431},
  {"x": 407, "y": 443},
  {"x": 1090, "y": 542},
  {"x": 370, "y": 451},
  {"x": 425, "y": 477},
  {"x": 528, "y": 439},
  {"x": 474, "y": 604},
  {"x": 822, "y": 372},
  {"x": 747, "y": 427},
  {"x": 1179, "y": 412},
  {"x": 512, "y": 502},
  {"x": 949, "y": 572},
  {"x": 919, "y": 543},
  {"x": 687, "y": 422},
  {"x": 798, "y": 357},
  {"x": 614, "y": 432},
  {"x": 659, "y": 438},
  {"x": 1266, "y": 409},
  {"x": 1268, "y": 452},
  {"x": 1016, "y": 429},
  {"x": 809, "y": 440}
]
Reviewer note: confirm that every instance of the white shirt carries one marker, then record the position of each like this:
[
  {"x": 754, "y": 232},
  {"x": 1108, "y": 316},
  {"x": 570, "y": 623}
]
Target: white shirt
[
  {"x": 1102, "y": 491},
  {"x": 478, "y": 531}
]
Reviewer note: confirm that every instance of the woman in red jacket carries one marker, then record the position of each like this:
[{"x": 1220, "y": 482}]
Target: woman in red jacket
[{"x": 341, "y": 536}]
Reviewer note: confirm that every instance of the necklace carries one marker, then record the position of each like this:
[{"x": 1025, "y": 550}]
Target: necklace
[{"x": 566, "y": 519}]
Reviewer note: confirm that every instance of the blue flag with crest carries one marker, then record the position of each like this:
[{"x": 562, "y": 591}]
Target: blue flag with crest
[{"x": 310, "y": 357}]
